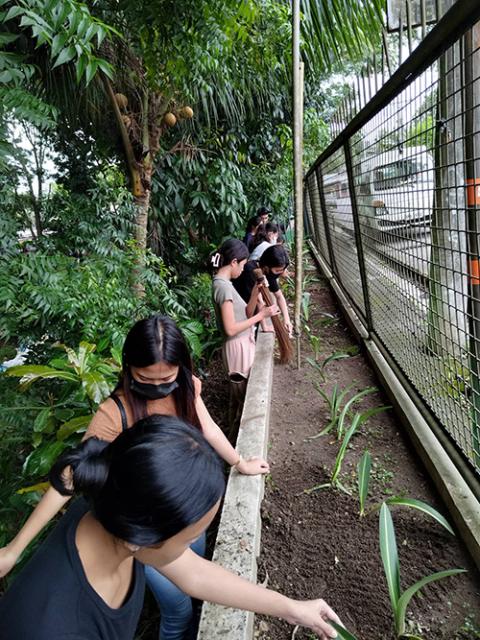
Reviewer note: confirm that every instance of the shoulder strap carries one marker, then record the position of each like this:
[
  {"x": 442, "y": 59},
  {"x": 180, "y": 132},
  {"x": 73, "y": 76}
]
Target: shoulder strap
[{"x": 121, "y": 408}]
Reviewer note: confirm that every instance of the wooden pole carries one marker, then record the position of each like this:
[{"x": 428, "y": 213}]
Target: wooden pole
[{"x": 297, "y": 168}]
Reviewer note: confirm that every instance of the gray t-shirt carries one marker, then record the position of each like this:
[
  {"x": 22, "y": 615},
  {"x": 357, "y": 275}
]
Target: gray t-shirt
[{"x": 223, "y": 290}]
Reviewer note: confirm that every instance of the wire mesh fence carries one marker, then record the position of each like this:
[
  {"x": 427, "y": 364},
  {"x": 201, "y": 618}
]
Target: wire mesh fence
[{"x": 394, "y": 210}]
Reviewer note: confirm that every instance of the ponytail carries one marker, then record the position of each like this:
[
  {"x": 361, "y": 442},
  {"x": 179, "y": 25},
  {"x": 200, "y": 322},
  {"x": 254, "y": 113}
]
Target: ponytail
[{"x": 81, "y": 470}]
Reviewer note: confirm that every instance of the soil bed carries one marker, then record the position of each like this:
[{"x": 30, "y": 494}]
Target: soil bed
[{"x": 316, "y": 545}]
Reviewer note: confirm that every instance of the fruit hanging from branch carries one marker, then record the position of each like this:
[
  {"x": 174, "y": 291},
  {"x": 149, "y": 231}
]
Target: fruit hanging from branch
[
  {"x": 186, "y": 112},
  {"x": 170, "y": 119}
]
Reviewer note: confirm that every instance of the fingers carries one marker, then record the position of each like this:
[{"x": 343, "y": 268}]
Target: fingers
[
  {"x": 325, "y": 630},
  {"x": 257, "y": 465}
]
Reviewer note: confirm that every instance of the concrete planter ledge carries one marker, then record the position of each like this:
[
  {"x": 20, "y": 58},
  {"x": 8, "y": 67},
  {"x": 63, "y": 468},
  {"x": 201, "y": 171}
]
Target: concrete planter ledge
[{"x": 238, "y": 538}]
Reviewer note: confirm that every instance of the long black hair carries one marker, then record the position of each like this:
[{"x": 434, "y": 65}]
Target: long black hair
[
  {"x": 149, "y": 341},
  {"x": 152, "y": 481},
  {"x": 253, "y": 223},
  {"x": 263, "y": 231},
  {"x": 274, "y": 256}
]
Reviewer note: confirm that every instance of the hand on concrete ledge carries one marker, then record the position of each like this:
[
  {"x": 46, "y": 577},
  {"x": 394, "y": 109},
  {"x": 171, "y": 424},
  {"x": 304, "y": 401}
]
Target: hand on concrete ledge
[{"x": 253, "y": 466}]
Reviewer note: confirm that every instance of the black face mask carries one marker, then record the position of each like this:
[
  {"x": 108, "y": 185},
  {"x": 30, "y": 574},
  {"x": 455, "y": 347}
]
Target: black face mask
[{"x": 152, "y": 391}]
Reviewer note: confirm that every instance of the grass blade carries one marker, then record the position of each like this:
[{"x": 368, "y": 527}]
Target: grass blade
[
  {"x": 389, "y": 553},
  {"x": 343, "y": 448},
  {"x": 366, "y": 415},
  {"x": 364, "y": 468},
  {"x": 424, "y": 507},
  {"x": 335, "y": 356},
  {"x": 358, "y": 396},
  {"x": 410, "y": 592},
  {"x": 342, "y": 632}
]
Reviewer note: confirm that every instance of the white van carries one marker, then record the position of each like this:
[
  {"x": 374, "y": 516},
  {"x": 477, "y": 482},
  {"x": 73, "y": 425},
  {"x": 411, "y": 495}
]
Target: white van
[{"x": 394, "y": 191}]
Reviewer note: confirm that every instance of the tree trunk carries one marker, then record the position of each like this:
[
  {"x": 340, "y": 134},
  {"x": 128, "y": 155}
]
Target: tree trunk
[{"x": 141, "y": 183}]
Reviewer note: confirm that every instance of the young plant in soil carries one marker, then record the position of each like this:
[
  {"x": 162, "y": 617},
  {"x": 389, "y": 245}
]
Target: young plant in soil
[
  {"x": 391, "y": 565},
  {"x": 364, "y": 468},
  {"x": 334, "y": 402},
  {"x": 364, "y": 416},
  {"x": 337, "y": 467},
  {"x": 337, "y": 355},
  {"x": 315, "y": 344}
]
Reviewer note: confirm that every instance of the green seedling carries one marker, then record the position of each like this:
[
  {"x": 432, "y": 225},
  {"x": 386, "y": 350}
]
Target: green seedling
[
  {"x": 364, "y": 468},
  {"x": 391, "y": 565},
  {"x": 337, "y": 467},
  {"x": 364, "y": 416},
  {"x": 334, "y": 402},
  {"x": 315, "y": 344},
  {"x": 306, "y": 306},
  {"x": 337, "y": 355}
]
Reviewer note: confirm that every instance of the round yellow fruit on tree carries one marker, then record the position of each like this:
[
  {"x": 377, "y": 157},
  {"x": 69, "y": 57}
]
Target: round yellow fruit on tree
[
  {"x": 122, "y": 100},
  {"x": 170, "y": 119},
  {"x": 186, "y": 112}
]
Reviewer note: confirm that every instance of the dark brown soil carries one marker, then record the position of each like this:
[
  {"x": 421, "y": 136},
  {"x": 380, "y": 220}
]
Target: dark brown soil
[{"x": 316, "y": 545}]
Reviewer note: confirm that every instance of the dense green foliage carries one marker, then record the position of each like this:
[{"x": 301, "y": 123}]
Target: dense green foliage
[{"x": 68, "y": 223}]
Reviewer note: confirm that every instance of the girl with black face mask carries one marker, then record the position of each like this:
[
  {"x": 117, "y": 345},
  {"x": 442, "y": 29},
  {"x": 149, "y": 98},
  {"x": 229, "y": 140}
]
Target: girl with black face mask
[
  {"x": 156, "y": 378},
  {"x": 274, "y": 263}
]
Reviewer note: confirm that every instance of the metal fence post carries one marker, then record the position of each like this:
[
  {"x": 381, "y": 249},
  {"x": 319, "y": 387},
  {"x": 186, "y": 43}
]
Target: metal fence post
[
  {"x": 323, "y": 207},
  {"x": 472, "y": 172},
  {"x": 358, "y": 235}
]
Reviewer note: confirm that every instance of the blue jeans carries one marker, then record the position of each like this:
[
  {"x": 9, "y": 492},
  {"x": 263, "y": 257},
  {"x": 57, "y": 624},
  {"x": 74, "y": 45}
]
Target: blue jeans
[{"x": 175, "y": 606}]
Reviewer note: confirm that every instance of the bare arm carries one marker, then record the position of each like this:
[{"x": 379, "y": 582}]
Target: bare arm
[
  {"x": 46, "y": 509},
  {"x": 217, "y": 439},
  {"x": 232, "y": 327},
  {"x": 205, "y": 580}
]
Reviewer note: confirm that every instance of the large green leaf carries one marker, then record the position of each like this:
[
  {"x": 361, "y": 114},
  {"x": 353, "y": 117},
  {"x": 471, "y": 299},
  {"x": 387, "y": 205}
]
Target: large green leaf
[
  {"x": 96, "y": 386},
  {"x": 410, "y": 592},
  {"x": 29, "y": 373},
  {"x": 389, "y": 553},
  {"x": 39, "y": 462},
  {"x": 421, "y": 506},
  {"x": 75, "y": 425},
  {"x": 44, "y": 422}
]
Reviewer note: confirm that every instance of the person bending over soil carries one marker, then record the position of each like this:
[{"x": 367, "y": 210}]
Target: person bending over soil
[
  {"x": 151, "y": 492},
  {"x": 156, "y": 378}
]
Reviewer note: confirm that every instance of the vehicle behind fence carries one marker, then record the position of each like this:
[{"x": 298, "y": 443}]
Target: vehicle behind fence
[{"x": 393, "y": 207}]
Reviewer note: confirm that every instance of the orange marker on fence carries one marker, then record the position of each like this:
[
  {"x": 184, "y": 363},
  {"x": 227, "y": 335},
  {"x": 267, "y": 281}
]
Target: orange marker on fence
[
  {"x": 474, "y": 271},
  {"x": 473, "y": 192}
]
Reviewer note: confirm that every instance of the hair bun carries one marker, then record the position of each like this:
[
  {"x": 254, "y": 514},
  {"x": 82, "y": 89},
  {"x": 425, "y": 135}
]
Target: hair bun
[{"x": 89, "y": 467}]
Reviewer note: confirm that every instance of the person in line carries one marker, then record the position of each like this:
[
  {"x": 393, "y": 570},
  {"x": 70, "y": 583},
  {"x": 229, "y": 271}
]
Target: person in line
[
  {"x": 264, "y": 214},
  {"x": 252, "y": 226},
  {"x": 149, "y": 493},
  {"x": 266, "y": 236},
  {"x": 274, "y": 263},
  {"x": 236, "y": 319},
  {"x": 156, "y": 378}
]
